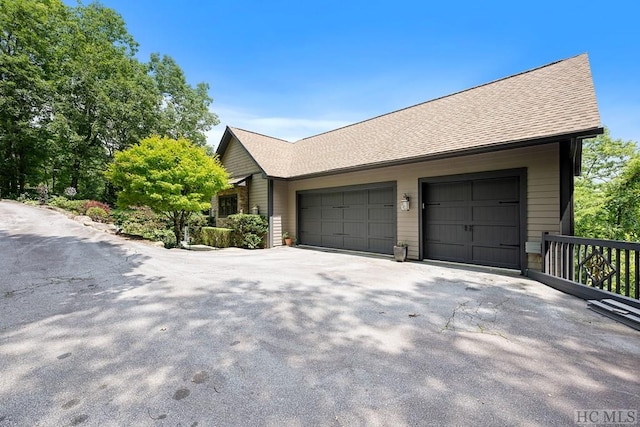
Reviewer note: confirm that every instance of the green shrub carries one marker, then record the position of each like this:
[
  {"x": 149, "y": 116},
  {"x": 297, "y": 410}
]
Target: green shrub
[
  {"x": 75, "y": 206},
  {"x": 143, "y": 222},
  {"x": 248, "y": 230},
  {"x": 94, "y": 204},
  {"x": 167, "y": 237},
  {"x": 97, "y": 214},
  {"x": 217, "y": 237},
  {"x": 195, "y": 224}
]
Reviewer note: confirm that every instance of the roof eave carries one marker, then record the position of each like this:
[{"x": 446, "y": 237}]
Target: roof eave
[
  {"x": 583, "y": 134},
  {"x": 224, "y": 142}
]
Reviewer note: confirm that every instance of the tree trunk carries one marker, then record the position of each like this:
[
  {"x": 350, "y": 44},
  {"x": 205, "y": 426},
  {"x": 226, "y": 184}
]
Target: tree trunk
[
  {"x": 75, "y": 173},
  {"x": 177, "y": 227}
]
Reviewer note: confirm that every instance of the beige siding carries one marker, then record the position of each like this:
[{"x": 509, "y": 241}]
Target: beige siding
[
  {"x": 237, "y": 161},
  {"x": 543, "y": 188},
  {"x": 279, "y": 223},
  {"x": 258, "y": 193}
]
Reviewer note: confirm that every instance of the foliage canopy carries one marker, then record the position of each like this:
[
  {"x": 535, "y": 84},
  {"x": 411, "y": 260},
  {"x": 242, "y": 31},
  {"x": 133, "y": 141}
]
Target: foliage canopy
[
  {"x": 172, "y": 177},
  {"x": 607, "y": 195},
  {"x": 72, "y": 93}
]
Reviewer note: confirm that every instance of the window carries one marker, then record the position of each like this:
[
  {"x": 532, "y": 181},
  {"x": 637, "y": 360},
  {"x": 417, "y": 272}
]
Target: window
[{"x": 227, "y": 205}]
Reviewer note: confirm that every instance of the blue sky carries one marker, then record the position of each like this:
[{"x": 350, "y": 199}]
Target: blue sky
[{"x": 292, "y": 69}]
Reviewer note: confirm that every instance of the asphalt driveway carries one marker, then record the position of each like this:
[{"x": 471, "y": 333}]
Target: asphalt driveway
[{"x": 100, "y": 331}]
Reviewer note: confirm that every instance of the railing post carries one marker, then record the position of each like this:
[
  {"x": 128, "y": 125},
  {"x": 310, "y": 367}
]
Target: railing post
[{"x": 543, "y": 243}]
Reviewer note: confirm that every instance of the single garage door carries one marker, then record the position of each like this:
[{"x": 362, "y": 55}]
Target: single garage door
[
  {"x": 473, "y": 221},
  {"x": 362, "y": 219}
]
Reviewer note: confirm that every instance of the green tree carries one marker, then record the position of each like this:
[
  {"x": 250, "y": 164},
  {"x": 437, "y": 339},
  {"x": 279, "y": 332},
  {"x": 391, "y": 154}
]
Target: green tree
[
  {"x": 623, "y": 203},
  {"x": 172, "y": 177},
  {"x": 29, "y": 60},
  {"x": 604, "y": 194},
  {"x": 105, "y": 99},
  {"x": 72, "y": 93},
  {"x": 184, "y": 111}
]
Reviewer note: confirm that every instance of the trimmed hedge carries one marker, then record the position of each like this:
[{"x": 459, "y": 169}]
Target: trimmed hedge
[{"x": 216, "y": 237}]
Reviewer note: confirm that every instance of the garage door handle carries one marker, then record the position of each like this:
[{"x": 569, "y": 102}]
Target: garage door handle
[
  {"x": 510, "y": 246},
  {"x": 389, "y": 206}
]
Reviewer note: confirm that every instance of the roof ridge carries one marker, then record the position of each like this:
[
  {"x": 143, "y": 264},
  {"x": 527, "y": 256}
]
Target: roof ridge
[
  {"x": 444, "y": 96},
  {"x": 261, "y": 134}
]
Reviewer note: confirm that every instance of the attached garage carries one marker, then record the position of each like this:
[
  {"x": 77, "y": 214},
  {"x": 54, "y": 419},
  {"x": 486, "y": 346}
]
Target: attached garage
[
  {"x": 475, "y": 219},
  {"x": 361, "y": 218},
  {"x": 339, "y": 189}
]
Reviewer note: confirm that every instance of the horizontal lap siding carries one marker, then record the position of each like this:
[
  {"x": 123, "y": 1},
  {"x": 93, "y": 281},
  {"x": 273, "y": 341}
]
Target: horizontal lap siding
[
  {"x": 258, "y": 195},
  {"x": 278, "y": 221},
  {"x": 543, "y": 192},
  {"x": 237, "y": 161}
]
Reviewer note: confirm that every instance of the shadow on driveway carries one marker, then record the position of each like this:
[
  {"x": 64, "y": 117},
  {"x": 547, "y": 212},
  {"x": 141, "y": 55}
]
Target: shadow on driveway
[{"x": 292, "y": 337}]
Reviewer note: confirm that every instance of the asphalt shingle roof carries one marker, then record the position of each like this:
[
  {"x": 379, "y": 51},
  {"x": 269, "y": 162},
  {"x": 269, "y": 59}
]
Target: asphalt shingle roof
[{"x": 555, "y": 99}]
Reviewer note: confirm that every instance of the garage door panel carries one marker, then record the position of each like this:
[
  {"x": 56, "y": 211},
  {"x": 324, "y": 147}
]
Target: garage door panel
[
  {"x": 496, "y": 234},
  {"x": 381, "y": 214},
  {"x": 311, "y": 228},
  {"x": 314, "y": 239},
  {"x": 332, "y": 199},
  {"x": 310, "y": 200},
  {"x": 495, "y": 189},
  {"x": 331, "y": 228},
  {"x": 355, "y": 214},
  {"x": 447, "y": 251},
  {"x": 331, "y": 214},
  {"x": 383, "y": 230},
  {"x": 381, "y": 196},
  {"x": 447, "y": 192},
  {"x": 361, "y": 219},
  {"x": 332, "y": 241},
  {"x": 308, "y": 214},
  {"x": 355, "y": 243},
  {"x": 495, "y": 257},
  {"x": 354, "y": 229},
  {"x": 354, "y": 198},
  {"x": 383, "y": 246},
  {"x": 442, "y": 213},
  {"x": 446, "y": 233},
  {"x": 475, "y": 221},
  {"x": 496, "y": 214}
]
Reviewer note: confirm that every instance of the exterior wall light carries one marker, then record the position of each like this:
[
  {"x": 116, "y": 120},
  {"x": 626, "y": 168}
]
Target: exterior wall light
[{"x": 405, "y": 202}]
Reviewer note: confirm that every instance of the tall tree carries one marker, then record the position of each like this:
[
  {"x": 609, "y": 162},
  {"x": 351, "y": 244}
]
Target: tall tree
[
  {"x": 28, "y": 61},
  {"x": 72, "y": 93},
  {"x": 606, "y": 174},
  {"x": 184, "y": 112},
  {"x": 172, "y": 177},
  {"x": 623, "y": 203},
  {"x": 105, "y": 99}
]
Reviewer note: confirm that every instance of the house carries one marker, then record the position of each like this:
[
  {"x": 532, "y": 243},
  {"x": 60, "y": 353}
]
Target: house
[{"x": 473, "y": 177}]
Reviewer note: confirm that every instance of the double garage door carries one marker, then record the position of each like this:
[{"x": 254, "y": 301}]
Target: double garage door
[
  {"x": 473, "y": 221},
  {"x": 361, "y": 218}
]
